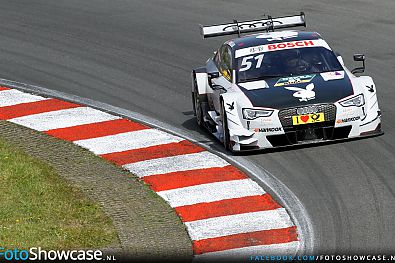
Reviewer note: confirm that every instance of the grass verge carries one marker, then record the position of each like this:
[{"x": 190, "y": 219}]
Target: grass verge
[
  {"x": 39, "y": 208},
  {"x": 148, "y": 228}
]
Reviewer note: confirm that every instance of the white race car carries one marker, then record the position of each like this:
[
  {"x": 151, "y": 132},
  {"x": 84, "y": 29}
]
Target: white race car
[{"x": 275, "y": 89}]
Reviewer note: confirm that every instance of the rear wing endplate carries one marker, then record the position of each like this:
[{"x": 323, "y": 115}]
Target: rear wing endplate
[{"x": 268, "y": 24}]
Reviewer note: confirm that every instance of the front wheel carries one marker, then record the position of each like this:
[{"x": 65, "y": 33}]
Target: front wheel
[
  {"x": 197, "y": 106},
  {"x": 225, "y": 129}
]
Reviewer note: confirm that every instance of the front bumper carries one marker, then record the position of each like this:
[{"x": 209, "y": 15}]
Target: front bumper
[{"x": 279, "y": 131}]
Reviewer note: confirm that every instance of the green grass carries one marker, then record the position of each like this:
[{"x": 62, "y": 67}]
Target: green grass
[{"x": 39, "y": 208}]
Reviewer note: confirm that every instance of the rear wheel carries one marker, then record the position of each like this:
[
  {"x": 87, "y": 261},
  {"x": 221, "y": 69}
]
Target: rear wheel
[{"x": 225, "y": 129}]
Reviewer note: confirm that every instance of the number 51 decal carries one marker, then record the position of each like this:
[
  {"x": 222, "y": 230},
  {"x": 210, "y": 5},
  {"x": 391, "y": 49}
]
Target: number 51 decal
[{"x": 246, "y": 62}]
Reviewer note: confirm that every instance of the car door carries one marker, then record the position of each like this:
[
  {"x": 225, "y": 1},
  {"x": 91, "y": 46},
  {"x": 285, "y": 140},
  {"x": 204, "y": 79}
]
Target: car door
[{"x": 223, "y": 61}]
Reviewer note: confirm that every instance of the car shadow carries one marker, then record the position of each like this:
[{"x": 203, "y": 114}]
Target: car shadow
[
  {"x": 214, "y": 143},
  {"x": 208, "y": 138}
]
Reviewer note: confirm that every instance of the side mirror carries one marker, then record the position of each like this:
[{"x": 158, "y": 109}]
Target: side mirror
[
  {"x": 359, "y": 57},
  {"x": 213, "y": 75}
]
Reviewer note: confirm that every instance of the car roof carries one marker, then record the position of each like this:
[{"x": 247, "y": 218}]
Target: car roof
[{"x": 271, "y": 37}]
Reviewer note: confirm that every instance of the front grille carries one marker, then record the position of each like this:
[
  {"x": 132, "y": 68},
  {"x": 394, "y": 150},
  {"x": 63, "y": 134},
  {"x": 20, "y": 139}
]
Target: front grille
[
  {"x": 329, "y": 111},
  {"x": 320, "y": 131}
]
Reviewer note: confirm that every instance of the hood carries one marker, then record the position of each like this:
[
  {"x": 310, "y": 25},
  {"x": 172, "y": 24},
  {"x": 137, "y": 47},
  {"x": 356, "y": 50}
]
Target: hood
[{"x": 296, "y": 91}]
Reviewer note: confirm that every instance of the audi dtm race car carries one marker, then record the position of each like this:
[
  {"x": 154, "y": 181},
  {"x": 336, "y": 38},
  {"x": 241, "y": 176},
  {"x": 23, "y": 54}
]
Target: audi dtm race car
[{"x": 276, "y": 89}]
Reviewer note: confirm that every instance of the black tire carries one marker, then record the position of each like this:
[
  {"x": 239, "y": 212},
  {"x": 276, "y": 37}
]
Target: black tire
[
  {"x": 197, "y": 106},
  {"x": 226, "y": 136}
]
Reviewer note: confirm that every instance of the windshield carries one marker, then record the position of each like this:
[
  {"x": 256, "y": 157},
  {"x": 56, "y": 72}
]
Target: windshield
[{"x": 286, "y": 63}]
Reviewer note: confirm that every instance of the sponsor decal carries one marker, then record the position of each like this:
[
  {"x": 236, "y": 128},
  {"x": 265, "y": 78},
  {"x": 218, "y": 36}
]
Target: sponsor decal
[
  {"x": 276, "y": 129},
  {"x": 347, "y": 110},
  {"x": 293, "y": 44},
  {"x": 258, "y": 49},
  {"x": 294, "y": 80},
  {"x": 308, "y": 118},
  {"x": 348, "y": 119},
  {"x": 303, "y": 94},
  {"x": 334, "y": 75},
  {"x": 280, "y": 46},
  {"x": 265, "y": 121}
]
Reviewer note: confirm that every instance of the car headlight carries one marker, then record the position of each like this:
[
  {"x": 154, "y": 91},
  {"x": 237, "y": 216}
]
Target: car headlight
[
  {"x": 251, "y": 114},
  {"x": 357, "y": 101}
]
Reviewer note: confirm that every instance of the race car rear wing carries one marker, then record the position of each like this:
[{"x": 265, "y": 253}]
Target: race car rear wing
[{"x": 268, "y": 24}]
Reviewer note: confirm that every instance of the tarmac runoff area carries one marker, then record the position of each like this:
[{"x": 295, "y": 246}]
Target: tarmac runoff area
[{"x": 226, "y": 213}]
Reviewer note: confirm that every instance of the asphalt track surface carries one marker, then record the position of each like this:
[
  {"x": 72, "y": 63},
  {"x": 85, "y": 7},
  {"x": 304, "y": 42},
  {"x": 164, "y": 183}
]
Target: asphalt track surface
[{"x": 138, "y": 55}]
